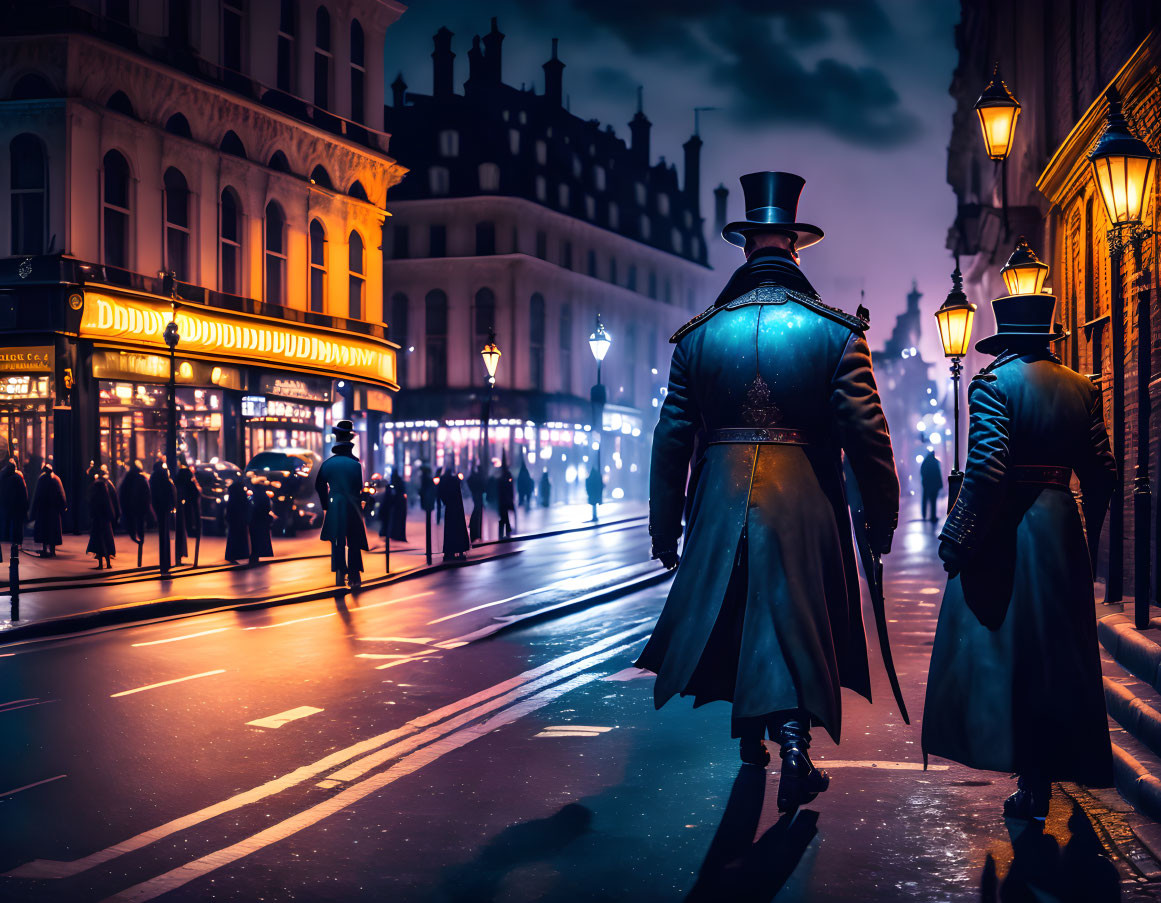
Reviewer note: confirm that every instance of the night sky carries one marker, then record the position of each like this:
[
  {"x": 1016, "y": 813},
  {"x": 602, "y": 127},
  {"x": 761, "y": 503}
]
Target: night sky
[{"x": 850, "y": 94}]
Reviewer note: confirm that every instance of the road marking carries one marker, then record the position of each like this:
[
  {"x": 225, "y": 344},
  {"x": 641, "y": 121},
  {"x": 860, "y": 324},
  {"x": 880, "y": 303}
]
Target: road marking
[
  {"x": 407, "y": 658},
  {"x": 50, "y": 868},
  {"x": 629, "y": 674},
  {"x": 25, "y": 704},
  {"x": 418, "y": 640},
  {"x": 557, "y": 584},
  {"x": 182, "y": 875},
  {"x": 572, "y": 730},
  {"x": 430, "y": 592},
  {"x": 166, "y": 683},
  {"x": 188, "y": 636},
  {"x": 30, "y": 786},
  {"x": 285, "y": 717},
  {"x": 329, "y": 614},
  {"x": 382, "y": 655},
  {"x": 885, "y": 766}
]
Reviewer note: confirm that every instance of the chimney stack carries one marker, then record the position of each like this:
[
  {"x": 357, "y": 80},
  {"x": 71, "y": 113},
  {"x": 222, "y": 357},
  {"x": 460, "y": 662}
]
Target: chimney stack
[
  {"x": 721, "y": 195},
  {"x": 475, "y": 65},
  {"x": 398, "y": 91},
  {"x": 639, "y": 129},
  {"x": 442, "y": 64},
  {"x": 492, "y": 70},
  {"x": 693, "y": 173},
  {"x": 554, "y": 78}
]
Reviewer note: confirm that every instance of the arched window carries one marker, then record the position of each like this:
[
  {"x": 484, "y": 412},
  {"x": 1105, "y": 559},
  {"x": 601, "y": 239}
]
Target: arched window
[
  {"x": 33, "y": 86},
  {"x": 287, "y": 27},
  {"x": 439, "y": 180},
  {"x": 318, "y": 267},
  {"x": 485, "y": 238},
  {"x": 119, "y": 103},
  {"x": 275, "y": 254},
  {"x": 398, "y": 330},
  {"x": 178, "y": 125},
  {"x": 358, "y": 73},
  {"x": 232, "y": 16},
  {"x": 536, "y": 341},
  {"x": 177, "y": 226},
  {"x": 278, "y": 162},
  {"x": 358, "y": 191},
  {"x": 435, "y": 349},
  {"x": 566, "y": 348},
  {"x": 28, "y": 180},
  {"x": 449, "y": 143},
  {"x": 322, "y": 59},
  {"x": 230, "y": 237},
  {"x": 116, "y": 210},
  {"x": 489, "y": 177},
  {"x": 320, "y": 176},
  {"x": 357, "y": 281},
  {"x": 232, "y": 144},
  {"x": 485, "y": 322}
]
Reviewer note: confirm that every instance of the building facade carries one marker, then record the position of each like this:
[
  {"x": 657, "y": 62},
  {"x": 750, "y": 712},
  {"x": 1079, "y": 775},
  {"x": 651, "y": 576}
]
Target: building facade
[
  {"x": 521, "y": 219},
  {"x": 239, "y": 147},
  {"x": 1059, "y": 59}
]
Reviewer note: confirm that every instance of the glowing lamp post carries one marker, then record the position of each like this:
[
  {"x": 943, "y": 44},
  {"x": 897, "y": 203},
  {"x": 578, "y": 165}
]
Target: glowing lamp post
[
  {"x": 1123, "y": 167},
  {"x": 955, "y": 318},
  {"x": 998, "y": 111},
  {"x": 599, "y": 343},
  {"x": 1024, "y": 274},
  {"x": 491, "y": 355}
]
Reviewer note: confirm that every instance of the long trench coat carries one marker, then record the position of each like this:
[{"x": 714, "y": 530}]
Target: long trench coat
[
  {"x": 13, "y": 504},
  {"x": 340, "y": 487},
  {"x": 770, "y": 519},
  {"x": 104, "y": 512},
  {"x": 48, "y": 504},
  {"x": 238, "y": 515},
  {"x": 1015, "y": 679},
  {"x": 455, "y": 525}
]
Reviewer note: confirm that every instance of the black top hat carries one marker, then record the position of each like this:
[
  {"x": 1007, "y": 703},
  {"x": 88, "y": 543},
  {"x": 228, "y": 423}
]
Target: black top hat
[
  {"x": 344, "y": 430},
  {"x": 772, "y": 206},
  {"x": 1021, "y": 321}
]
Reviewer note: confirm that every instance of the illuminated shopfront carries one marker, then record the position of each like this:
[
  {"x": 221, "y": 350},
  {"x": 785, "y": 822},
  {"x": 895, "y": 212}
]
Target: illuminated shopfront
[{"x": 26, "y": 404}]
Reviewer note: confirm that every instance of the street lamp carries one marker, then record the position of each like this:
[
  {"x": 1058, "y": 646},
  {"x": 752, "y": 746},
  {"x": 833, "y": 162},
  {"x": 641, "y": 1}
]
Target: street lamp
[
  {"x": 1123, "y": 166},
  {"x": 599, "y": 343},
  {"x": 491, "y": 355},
  {"x": 998, "y": 111},
  {"x": 172, "y": 337},
  {"x": 955, "y": 318},
  {"x": 1024, "y": 274}
]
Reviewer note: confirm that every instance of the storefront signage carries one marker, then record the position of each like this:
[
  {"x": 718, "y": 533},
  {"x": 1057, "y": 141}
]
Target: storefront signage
[
  {"x": 30, "y": 359},
  {"x": 140, "y": 321},
  {"x": 302, "y": 389},
  {"x": 131, "y": 366}
]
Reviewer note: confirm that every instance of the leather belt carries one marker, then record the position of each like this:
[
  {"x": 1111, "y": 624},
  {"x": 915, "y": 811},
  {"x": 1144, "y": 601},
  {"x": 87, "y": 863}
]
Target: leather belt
[
  {"x": 769, "y": 436},
  {"x": 1041, "y": 474}
]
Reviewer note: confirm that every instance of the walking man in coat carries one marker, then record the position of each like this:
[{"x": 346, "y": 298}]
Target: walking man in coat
[
  {"x": 135, "y": 504},
  {"x": 188, "y": 519},
  {"x": 104, "y": 512},
  {"x": 544, "y": 490},
  {"x": 525, "y": 486},
  {"x": 48, "y": 504},
  {"x": 505, "y": 499},
  {"x": 455, "y": 525},
  {"x": 595, "y": 489},
  {"x": 476, "y": 488},
  {"x": 163, "y": 495},
  {"x": 931, "y": 480},
  {"x": 13, "y": 503},
  {"x": 340, "y": 486},
  {"x": 1015, "y": 681},
  {"x": 772, "y": 387}
]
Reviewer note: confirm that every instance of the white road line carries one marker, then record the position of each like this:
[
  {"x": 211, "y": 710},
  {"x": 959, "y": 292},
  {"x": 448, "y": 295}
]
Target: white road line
[
  {"x": 329, "y": 614},
  {"x": 15, "y": 701},
  {"x": 285, "y": 717},
  {"x": 49, "y": 868},
  {"x": 532, "y": 592},
  {"x": 188, "y": 636},
  {"x": 166, "y": 683},
  {"x": 30, "y": 786},
  {"x": 382, "y": 655},
  {"x": 355, "y": 608},
  {"x": 27, "y": 704},
  {"x": 407, "y": 658},
  {"x": 417, "y": 640},
  {"x": 182, "y": 875}
]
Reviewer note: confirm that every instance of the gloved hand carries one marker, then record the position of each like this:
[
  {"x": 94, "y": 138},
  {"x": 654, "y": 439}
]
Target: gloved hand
[
  {"x": 668, "y": 557},
  {"x": 952, "y": 557}
]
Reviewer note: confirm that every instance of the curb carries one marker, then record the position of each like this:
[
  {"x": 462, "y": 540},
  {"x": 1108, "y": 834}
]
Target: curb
[
  {"x": 1134, "y": 714},
  {"x": 1134, "y": 782},
  {"x": 171, "y": 608},
  {"x": 1131, "y": 649}
]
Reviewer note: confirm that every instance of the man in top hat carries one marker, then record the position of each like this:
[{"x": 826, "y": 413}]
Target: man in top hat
[
  {"x": 768, "y": 388},
  {"x": 340, "y": 486},
  {"x": 1015, "y": 680}
]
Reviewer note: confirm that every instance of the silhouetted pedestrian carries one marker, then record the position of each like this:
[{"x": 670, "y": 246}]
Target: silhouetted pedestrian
[
  {"x": 135, "y": 501},
  {"x": 104, "y": 512},
  {"x": 595, "y": 488},
  {"x": 505, "y": 499},
  {"x": 261, "y": 520},
  {"x": 455, "y": 527},
  {"x": 238, "y": 514},
  {"x": 525, "y": 486},
  {"x": 476, "y": 488},
  {"x": 163, "y": 496},
  {"x": 48, "y": 504},
  {"x": 395, "y": 519},
  {"x": 544, "y": 492},
  {"x": 931, "y": 478},
  {"x": 188, "y": 517},
  {"x": 13, "y": 503},
  {"x": 340, "y": 485}
]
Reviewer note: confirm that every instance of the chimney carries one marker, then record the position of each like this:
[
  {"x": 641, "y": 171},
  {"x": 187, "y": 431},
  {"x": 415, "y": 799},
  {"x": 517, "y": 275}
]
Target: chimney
[
  {"x": 721, "y": 195},
  {"x": 639, "y": 128},
  {"x": 693, "y": 173},
  {"x": 554, "y": 78},
  {"x": 442, "y": 64},
  {"x": 398, "y": 91},
  {"x": 475, "y": 65},
  {"x": 492, "y": 55}
]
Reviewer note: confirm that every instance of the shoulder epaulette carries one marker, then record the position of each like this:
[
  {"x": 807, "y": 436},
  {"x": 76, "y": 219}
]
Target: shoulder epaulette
[
  {"x": 988, "y": 373},
  {"x": 773, "y": 294}
]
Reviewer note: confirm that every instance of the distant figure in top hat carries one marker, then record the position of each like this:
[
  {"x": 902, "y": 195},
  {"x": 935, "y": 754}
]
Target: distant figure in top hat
[
  {"x": 340, "y": 488},
  {"x": 1015, "y": 681},
  {"x": 931, "y": 482},
  {"x": 768, "y": 389},
  {"x": 48, "y": 504}
]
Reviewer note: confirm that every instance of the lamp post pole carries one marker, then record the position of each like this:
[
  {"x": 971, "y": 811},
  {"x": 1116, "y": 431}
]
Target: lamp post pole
[
  {"x": 171, "y": 339},
  {"x": 599, "y": 343},
  {"x": 491, "y": 355},
  {"x": 955, "y": 318},
  {"x": 955, "y": 478}
]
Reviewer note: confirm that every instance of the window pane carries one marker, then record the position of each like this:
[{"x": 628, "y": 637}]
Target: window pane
[
  {"x": 177, "y": 252},
  {"x": 28, "y": 227},
  {"x": 316, "y": 289},
  {"x": 275, "y": 284},
  {"x": 355, "y": 297},
  {"x": 116, "y": 238},
  {"x": 230, "y": 269}
]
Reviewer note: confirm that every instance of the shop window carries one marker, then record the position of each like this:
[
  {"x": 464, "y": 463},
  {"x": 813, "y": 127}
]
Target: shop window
[
  {"x": 358, "y": 73},
  {"x": 484, "y": 321},
  {"x": 320, "y": 176},
  {"x": 232, "y": 145},
  {"x": 357, "y": 281},
  {"x": 400, "y": 242},
  {"x": 28, "y": 180},
  {"x": 278, "y": 162},
  {"x": 178, "y": 125},
  {"x": 275, "y": 254},
  {"x": 287, "y": 27},
  {"x": 231, "y": 243},
  {"x": 439, "y": 180},
  {"x": 485, "y": 238},
  {"x": 116, "y": 213},
  {"x": 435, "y": 350},
  {"x": 437, "y": 241},
  {"x": 449, "y": 143},
  {"x": 398, "y": 330},
  {"x": 489, "y": 177},
  {"x": 232, "y": 15},
  {"x": 322, "y": 59},
  {"x": 565, "y": 342},
  {"x": 177, "y": 225},
  {"x": 536, "y": 341},
  {"x": 318, "y": 267}
]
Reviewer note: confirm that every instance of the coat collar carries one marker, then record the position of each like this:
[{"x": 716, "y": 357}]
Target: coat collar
[{"x": 767, "y": 266}]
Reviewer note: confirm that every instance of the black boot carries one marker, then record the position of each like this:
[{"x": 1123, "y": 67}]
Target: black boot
[
  {"x": 754, "y": 752},
  {"x": 800, "y": 781},
  {"x": 1030, "y": 801}
]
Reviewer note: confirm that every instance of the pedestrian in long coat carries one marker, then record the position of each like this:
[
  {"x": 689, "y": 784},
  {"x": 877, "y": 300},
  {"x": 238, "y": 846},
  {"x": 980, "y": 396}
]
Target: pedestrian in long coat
[
  {"x": 544, "y": 491},
  {"x": 595, "y": 488},
  {"x": 455, "y": 526},
  {"x": 135, "y": 501},
  {"x": 476, "y": 488},
  {"x": 773, "y": 387},
  {"x": 340, "y": 486},
  {"x": 48, "y": 504},
  {"x": 188, "y": 517},
  {"x": 163, "y": 496},
  {"x": 13, "y": 503},
  {"x": 1015, "y": 680},
  {"x": 505, "y": 499},
  {"x": 525, "y": 486},
  {"x": 931, "y": 480},
  {"x": 238, "y": 515},
  {"x": 397, "y": 508},
  {"x": 261, "y": 520},
  {"x": 104, "y": 512}
]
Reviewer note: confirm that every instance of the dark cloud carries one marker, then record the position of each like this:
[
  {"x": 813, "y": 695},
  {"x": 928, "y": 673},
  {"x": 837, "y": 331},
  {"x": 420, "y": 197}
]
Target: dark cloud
[
  {"x": 752, "y": 50},
  {"x": 612, "y": 81}
]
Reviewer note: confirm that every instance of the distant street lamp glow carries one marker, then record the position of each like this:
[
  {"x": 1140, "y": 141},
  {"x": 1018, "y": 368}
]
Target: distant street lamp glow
[
  {"x": 1123, "y": 166},
  {"x": 1024, "y": 274},
  {"x": 998, "y": 111},
  {"x": 491, "y": 355},
  {"x": 600, "y": 341}
]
